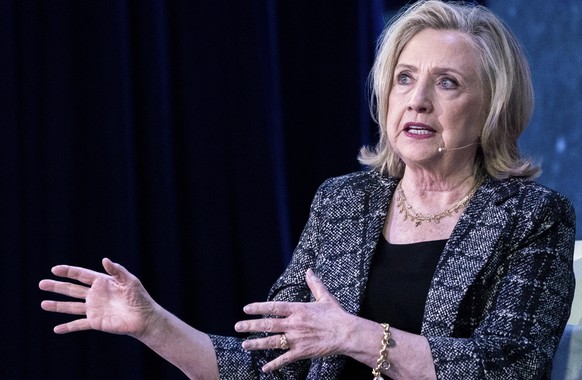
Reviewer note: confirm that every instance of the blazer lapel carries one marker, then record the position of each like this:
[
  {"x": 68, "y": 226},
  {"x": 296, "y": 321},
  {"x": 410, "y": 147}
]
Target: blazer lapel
[
  {"x": 376, "y": 200},
  {"x": 474, "y": 241}
]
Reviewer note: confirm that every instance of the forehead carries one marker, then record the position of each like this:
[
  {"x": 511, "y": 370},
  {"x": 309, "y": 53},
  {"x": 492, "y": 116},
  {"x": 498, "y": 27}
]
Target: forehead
[{"x": 446, "y": 48}]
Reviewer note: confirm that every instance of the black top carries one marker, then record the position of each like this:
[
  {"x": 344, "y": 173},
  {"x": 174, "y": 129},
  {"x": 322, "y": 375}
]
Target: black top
[{"x": 398, "y": 285}]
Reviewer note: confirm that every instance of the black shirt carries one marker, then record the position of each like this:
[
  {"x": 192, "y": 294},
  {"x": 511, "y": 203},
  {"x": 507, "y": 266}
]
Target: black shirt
[{"x": 397, "y": 288}]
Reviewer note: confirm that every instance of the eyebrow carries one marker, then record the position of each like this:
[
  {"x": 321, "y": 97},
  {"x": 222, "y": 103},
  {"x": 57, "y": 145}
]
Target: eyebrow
[{"x": 435, "y": 69}]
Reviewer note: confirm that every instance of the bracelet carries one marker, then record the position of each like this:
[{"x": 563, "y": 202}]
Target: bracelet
[{"x": 382, "y": 362}]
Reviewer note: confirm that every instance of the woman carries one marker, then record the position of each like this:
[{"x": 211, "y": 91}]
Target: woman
[{"x": 444, "y": 260}]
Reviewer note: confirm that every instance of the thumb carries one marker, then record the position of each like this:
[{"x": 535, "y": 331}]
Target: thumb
[
  {"x": 317, "y": 287},
  {"x": 117, "y": 271}
]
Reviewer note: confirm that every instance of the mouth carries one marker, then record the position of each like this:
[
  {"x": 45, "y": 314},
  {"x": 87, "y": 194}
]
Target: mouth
[{"x": 418, "y": 129}]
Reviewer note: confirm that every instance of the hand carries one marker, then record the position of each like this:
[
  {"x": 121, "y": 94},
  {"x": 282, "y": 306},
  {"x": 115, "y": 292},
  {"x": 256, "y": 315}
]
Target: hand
[
  {"x": 314, "y": 329},
  {"x": 115, "y": 303}
]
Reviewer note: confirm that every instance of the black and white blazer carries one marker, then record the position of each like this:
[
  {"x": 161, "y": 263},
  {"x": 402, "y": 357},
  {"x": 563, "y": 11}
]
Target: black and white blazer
[{"x": 499, "y": 299}]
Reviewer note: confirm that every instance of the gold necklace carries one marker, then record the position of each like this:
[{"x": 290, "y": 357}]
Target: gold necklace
[{"x": 417, "y": 218}]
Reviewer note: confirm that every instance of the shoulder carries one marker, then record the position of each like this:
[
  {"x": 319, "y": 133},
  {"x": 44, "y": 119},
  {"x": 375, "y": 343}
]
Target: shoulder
[
  {"x": 354, "y": 194},
  {"x": 525, "y": 194},
  {"x": 529, "y": 207}
]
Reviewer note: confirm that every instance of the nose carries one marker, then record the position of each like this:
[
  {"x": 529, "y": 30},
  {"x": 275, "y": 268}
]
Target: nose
[{"x": 420, "y": 98}]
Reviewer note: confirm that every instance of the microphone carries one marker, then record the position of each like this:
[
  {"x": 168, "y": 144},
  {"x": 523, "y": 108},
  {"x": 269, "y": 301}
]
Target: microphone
[{"x": 459, "y": 148}]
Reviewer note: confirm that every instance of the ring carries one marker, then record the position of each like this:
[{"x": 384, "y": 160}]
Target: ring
[{"x": 283, "y": 342}]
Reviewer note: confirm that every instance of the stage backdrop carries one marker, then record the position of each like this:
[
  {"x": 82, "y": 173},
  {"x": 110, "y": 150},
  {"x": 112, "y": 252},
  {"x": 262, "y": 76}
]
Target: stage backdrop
[
  {"x": 185, "y": 140},
  {"x": 551, "y": 34}
]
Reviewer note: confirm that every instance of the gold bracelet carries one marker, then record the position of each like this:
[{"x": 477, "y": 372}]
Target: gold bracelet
[{"x": 382, "y": 362}]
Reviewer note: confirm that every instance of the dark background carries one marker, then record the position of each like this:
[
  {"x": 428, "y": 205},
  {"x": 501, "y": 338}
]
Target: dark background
[{"x": 185, "y": 140}]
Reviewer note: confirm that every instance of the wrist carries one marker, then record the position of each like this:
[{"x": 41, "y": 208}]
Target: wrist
[
  {"x": 362, "y": 340},
  {"x": 154, "y": 322}
]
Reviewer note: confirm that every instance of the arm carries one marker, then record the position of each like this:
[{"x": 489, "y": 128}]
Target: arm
[{"x": 118, "y": 303}]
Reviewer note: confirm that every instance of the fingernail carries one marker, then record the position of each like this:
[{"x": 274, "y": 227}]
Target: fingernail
[{"x": 312, "y": 275}]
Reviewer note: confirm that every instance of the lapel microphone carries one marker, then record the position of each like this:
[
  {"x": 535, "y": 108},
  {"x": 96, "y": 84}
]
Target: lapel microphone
[{"x": 440, "y": 150}]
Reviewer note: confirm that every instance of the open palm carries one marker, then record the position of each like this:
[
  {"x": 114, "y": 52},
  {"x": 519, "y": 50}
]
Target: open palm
[{"x": 115, "y": 302}]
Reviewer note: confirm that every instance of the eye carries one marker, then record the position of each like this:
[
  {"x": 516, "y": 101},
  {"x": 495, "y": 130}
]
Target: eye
[
  {"x": 403, "y": 78},
  {"x": 448, "y": 83}
]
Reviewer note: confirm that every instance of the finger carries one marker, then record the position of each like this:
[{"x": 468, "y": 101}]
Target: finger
[
  {"x": 64, "y": 288},
  {"x": 77, "y": 325},
  {"x": 317, "y": 287},
  {"x": 269, "y": 343},
  {"x": 86, "y": 276},
  {"x": 280, "y": 309},
  {"x": 268, "y": 325},
  {"x": 75, "y": 308},
  {"x": 279, "y": 362}
]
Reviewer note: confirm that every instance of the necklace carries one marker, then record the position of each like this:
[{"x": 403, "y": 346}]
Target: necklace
[{"x": 417, "y": 218}]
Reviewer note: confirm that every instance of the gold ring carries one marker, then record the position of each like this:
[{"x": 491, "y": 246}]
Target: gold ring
[{"x": 283, "y": 343}]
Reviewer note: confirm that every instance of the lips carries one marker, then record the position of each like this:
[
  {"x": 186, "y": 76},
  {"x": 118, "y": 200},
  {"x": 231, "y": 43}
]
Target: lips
[{"x": 418, "y": 129}]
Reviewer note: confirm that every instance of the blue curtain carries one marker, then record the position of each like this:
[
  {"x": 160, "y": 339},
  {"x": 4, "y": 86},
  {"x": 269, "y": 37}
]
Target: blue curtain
[{"x": 183, "y": 139}]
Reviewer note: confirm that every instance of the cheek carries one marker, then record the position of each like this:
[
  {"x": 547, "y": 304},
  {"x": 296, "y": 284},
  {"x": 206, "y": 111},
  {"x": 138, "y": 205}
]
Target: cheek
[
  {"x": 391, "y": 124},
  {"x": 468, "y": 116},
  {"x": 477, "y": 119},
  {"x": 394, "y": 114}
]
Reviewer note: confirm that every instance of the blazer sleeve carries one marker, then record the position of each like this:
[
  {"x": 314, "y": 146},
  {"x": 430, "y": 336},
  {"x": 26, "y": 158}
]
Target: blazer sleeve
[{"x": 526, "y": 303}]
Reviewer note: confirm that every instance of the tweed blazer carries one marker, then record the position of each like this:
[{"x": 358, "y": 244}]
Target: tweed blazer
[{"x": 499, "y": 299}]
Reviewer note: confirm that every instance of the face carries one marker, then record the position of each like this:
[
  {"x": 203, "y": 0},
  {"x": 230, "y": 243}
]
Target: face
[{"x": 436, "y": 100}]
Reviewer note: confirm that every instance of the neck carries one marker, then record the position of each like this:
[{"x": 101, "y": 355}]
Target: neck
[
  {"x": 413, "y": 214},
  {"x": 422, "y": 181},
  {"x": 431, "y": 193}
]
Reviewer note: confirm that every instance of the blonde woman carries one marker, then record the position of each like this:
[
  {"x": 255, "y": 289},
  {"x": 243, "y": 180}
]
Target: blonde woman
[{"x": 443, "y": 260}]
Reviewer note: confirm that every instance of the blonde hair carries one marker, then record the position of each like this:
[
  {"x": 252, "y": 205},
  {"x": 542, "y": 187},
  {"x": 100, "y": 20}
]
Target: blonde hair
[{"x": 504, "y": 74}]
